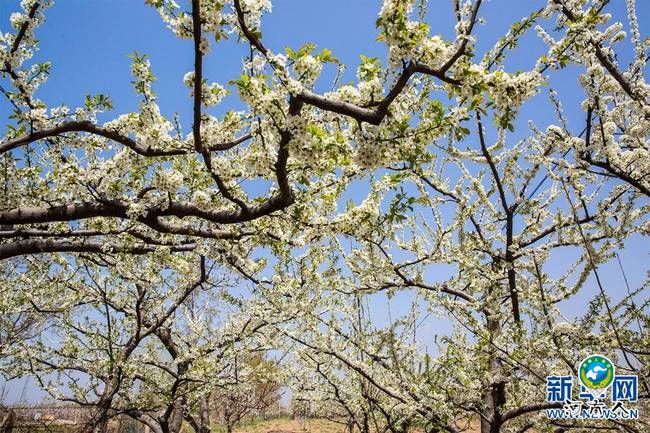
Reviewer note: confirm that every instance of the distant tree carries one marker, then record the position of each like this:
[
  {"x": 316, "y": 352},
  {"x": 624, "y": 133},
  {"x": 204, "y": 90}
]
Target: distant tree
[
  {"x": 146, "y": 342},
  {"x": 254, "y": 390}
]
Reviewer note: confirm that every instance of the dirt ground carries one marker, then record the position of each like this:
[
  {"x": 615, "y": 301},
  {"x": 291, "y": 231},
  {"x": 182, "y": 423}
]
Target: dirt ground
[{"x": 286, "y": 425}]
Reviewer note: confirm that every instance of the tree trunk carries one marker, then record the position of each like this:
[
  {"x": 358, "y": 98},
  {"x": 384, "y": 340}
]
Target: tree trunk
[
  {"x": 494, "y": 397},
  {"x": 98, "y": 423},
  {"x": 175, "y": 421},
  {"x": 204, "y": 415},
  {"x": 7, "y": 422},
  {"x": 366, "y": 424}
]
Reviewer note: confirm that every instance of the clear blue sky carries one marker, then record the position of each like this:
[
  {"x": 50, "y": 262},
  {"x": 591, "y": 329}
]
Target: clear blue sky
[{"x": 89, "y": 41}]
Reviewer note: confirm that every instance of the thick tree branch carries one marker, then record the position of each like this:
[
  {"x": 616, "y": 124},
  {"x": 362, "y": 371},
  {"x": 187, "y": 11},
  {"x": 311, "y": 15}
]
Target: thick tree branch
[
  {"x": 374, "y": 115},
  {"x": 119, "y": 209},
  {"x": 509, "y": 213},
  {"x": 39, "y": 246},
  {"x": 89, "y": 127},
  {"x": 198, "y": 74},
  {"x": 513, "y": 413},
  {"x": 620, "y": 174}
]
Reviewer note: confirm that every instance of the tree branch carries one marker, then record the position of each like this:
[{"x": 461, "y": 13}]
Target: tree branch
[
  {"x": 89, "y": 127},
  {"x": 39, "y": 246},
  {"x": 375, "y": 115}
]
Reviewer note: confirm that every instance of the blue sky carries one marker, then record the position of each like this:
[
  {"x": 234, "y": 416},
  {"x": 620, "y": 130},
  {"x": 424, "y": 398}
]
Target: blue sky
[{"x": 89, "y": 41}]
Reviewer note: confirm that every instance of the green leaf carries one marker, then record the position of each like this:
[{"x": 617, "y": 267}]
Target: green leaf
[
  {"x": 326, "y": 56},
  {"x": 291, "y": 53},
  {"x": 306, "y": 49}
]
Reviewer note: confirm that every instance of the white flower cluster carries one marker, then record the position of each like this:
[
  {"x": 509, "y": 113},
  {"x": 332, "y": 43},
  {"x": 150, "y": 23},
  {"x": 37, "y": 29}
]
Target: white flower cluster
[
  {"x": 370, "y": 87},
  {"x": 16, "y": 19},
  {"x": 141, "y": 70},
  {"x": 301, "y": 142},
  {"x": 368, "y": 69},
  {"x": 255, "y": 93},
  {"x": 180, "y": 22},
  {"x": 144, "y": 77},
  {"x": 212, "y": 15},
  {"x": 216, "y": 131},
  {"x": 347, "y": 93},
  {"x": 169, "y": 180},
  {"x": 188, "y": 79},
  {"x": 371, "y": 90},
  {"x": 258, "y": 63},
  {"x": 211, "y": 94},
  {"x": 371, "y": 151},
  {"x": 308, "y": 68},
  {"x": 37, "y": 117},
  {"x": 149, "y": 127},
  {"x": 510, "y": 91},
  {"x": 435, "y": 51},
  {"x": 254, "y": 9},
  {"x": 202, "y": 199},
  {"x": 136, "y": 210},
  {"x": 182, "y": 25},
  {"x": 402, "y": 35},
  {"x": 409, "y": 39},
  {"x": 25, "y": 79}
]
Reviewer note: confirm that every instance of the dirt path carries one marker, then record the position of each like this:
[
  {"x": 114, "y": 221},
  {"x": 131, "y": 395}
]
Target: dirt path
[{"x": 286, "y": 425}]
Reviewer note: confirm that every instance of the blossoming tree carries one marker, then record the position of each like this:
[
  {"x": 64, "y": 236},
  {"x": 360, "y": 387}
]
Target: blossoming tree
[
  {"x": 147, "y": 342},
  {"x": 108, "y": 230}
]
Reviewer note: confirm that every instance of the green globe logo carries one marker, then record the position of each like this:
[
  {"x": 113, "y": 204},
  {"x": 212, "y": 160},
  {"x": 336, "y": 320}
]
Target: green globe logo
[{"x": 596, "y": 372}]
